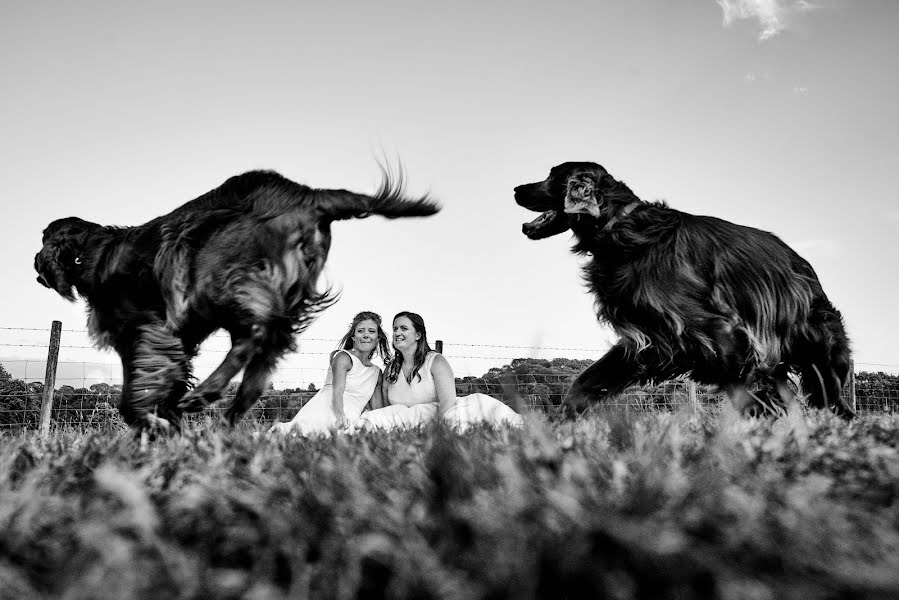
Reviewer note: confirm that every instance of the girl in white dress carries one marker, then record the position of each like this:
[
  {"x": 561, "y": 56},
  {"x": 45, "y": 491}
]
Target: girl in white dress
[
  {"x": 420, "y": 387},
  {"x": 352, "y": 382}
]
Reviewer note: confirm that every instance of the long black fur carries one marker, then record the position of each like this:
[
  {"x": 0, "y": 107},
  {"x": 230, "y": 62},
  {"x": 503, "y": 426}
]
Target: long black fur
[
  {"x": 245, "y": 257},
  {"x": 691, "y": 295}
]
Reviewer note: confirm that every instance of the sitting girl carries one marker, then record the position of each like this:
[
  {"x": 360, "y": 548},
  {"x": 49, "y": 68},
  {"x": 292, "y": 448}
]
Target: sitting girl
[
  {"x": 421, "y": 387},
  {"x": 352, "y": 381}
]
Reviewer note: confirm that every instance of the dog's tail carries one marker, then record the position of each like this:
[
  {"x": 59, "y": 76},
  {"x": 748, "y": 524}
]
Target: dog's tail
[{"x": 389, "y": 201}]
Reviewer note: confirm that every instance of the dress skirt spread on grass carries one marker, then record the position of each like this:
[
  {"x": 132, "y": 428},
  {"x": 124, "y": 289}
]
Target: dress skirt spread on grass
[{"x": 414, "y": 403}]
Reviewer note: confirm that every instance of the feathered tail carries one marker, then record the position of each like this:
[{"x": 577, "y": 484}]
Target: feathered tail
[{"x": 389, "y": 201}]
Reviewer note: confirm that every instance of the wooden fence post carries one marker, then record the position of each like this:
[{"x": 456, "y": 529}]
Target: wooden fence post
[
  {"x": 50, "y": 379},
  {"x": 692, "y": 396},
  {"x": 852, "y": 385},
  {"x": 438, "y": 346}
]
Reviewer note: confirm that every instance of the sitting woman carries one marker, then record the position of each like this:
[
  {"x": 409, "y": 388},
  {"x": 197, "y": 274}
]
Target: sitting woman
[
  {"x": 352, "y": 382},
  {"x": 421, "y": 387}
]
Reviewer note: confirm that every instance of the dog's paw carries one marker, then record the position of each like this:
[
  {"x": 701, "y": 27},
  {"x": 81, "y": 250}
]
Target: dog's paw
[
  {"x": 568, "y": 411},
  {"x": 845, "y": 411},
  {"x": 233, "y": 416},
  {"x": 158, "y": 424},
  {"x": 151, "y": 427},
  {"x": 574, "y": 405}
]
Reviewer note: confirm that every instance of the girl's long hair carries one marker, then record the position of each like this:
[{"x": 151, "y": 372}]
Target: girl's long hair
[
  {"x": 382, "y": 347},
  {"x": 395, "y": 366}
]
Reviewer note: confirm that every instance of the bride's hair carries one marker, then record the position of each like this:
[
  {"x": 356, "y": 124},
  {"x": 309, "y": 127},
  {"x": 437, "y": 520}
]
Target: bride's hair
[
  {"x": 394, "y": 367},
  {"x": 382, "y": 347}
]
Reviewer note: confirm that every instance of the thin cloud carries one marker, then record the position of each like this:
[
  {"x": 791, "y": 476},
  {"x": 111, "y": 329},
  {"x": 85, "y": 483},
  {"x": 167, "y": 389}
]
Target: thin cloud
[
  {"x": 753, "y": 77},
  {"x": 772, "y": 15}
]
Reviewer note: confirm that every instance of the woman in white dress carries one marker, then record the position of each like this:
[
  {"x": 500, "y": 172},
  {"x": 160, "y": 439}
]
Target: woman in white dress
[
  {"x": 420, "y": 387},
  {"x": 352, "y": 382}
]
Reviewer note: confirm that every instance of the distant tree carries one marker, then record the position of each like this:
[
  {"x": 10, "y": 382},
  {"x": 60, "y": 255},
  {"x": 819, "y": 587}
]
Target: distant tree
[
  {"x": 877, "y": 391},
  {"x": 4, "y": 374},
  {"x": 19, "y": 402},
  {"x": 533, "y": 381},
  {"x": 64, "y": 393},
  {"x": 543, "y": 384},
  {"x": 312, "y": 388}
]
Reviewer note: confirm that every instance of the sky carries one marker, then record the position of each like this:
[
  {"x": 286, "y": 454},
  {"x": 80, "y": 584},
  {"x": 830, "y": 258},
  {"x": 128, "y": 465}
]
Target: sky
[{"x": 770, "y": 113}]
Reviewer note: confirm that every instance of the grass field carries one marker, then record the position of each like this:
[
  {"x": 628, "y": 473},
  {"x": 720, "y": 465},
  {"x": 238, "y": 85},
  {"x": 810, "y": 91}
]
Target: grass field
[{"x": 654, "y": 505}]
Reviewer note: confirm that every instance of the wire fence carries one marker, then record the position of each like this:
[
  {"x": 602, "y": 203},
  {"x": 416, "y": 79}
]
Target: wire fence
[{"x": 88, "y": 382}]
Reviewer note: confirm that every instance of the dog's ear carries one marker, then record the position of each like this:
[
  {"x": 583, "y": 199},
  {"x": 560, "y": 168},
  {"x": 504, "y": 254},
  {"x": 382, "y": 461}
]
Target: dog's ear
[
  {"x": 581, "y": 196},
  {"x": 50, "y": 264}
]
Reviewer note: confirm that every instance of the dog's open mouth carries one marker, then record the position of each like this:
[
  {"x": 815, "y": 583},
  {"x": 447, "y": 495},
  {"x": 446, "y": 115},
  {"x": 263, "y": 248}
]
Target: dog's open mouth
[{"x": 547, "y": 224}]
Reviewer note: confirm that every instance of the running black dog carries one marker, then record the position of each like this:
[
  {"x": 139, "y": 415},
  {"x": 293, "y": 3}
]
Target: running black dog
[
  {"x": 244, "y": 257},
  {"x": 729, "y": 305}
]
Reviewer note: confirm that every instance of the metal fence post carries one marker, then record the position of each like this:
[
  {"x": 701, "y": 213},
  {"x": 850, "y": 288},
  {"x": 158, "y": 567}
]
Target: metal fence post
[
  {"x": 50, "y": 379},
  {"x": 852, "y": 385},
  {"x": 438, "y": 346}
]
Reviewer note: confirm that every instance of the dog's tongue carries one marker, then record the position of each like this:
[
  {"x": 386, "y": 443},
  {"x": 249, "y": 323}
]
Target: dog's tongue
[{"x": 534, "y": 229}]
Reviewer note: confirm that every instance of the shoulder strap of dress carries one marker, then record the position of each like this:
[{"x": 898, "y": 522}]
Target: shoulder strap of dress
[
  {"x": 353, "y": 359},
  {"x": 429, "y": 359}
]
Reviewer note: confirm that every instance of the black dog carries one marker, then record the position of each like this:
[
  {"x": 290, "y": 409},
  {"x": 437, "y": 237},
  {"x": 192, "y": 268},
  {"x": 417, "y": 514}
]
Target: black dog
[
  {"x": 729, "y": 305},
  {"x": 245, "y": 257}
]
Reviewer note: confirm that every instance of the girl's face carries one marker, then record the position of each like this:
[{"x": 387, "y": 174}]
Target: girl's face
[
  {"x": 404, "y": 335},
  {"x": 365, "y": 336}
]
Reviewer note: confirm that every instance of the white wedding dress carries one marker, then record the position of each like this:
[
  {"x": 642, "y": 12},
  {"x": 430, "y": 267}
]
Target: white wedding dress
[
  {"x": 317, "y": 415},
  {"x": 414, "y": 403}
]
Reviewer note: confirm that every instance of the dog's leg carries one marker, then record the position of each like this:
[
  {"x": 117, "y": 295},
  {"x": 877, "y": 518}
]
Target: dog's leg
[
  {"x": 824, "y": 386},
  {"x": 169, "y": 409},
  {"x": 210, "y": 390},
  {"x": 272, "y": 341},
  {"x": 153, "y": 367},
  {"x": 825, "y": 389},
  {"x": 606, "y": 377},
  {"x": 255, "y": 378},
  {"x": 827, "y": 359}
]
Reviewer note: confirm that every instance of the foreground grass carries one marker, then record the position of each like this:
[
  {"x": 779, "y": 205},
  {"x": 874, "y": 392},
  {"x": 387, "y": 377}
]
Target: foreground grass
[{"x": 612, "y": 506}]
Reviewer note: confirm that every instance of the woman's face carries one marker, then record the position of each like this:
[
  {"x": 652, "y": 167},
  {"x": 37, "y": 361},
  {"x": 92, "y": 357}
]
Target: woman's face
[
  {"x": 365, "y": 336},
  {"x": 404, "y": 335}
]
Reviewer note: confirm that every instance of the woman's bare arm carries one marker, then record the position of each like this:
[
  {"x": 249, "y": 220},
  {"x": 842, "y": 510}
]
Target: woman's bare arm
[
  {"x": 340, "y": 366},
  {"x": 444, "y": 382},
  {"x": 378, "y": 397}
]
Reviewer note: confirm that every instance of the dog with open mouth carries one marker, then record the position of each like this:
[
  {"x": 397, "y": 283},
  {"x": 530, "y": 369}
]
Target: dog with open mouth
[{"x": 726, "y": 304}]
